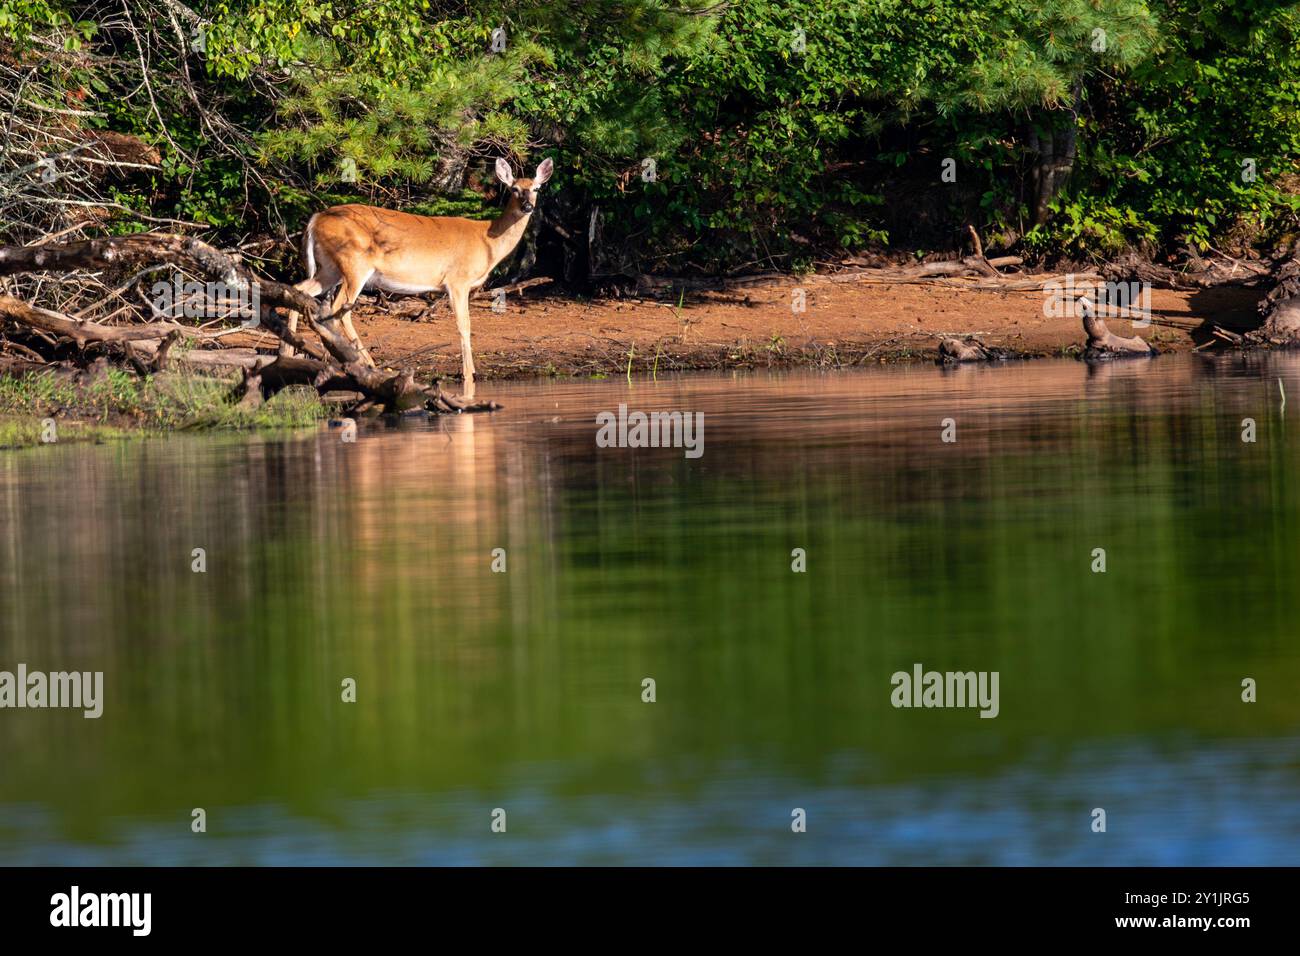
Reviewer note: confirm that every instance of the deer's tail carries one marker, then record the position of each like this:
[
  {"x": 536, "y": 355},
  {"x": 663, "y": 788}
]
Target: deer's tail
[{"x": 309, "y": 246}]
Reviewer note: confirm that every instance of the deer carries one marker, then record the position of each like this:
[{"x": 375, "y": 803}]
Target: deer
[{"x": 355, "y": 247}]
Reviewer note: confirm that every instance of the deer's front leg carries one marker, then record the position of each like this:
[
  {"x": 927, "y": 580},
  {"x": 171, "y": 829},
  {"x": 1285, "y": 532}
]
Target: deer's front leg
[{"x": 460, "y": 306}]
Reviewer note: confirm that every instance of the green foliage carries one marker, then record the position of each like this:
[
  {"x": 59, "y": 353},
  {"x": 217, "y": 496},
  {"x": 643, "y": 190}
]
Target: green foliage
[
  {"x": 779, "y": 132},
  {"x": 1167, "y": 152},
  {"x": 1027, "y": 56},
  {"x": 19, "y": 19},
  {"x": 351, "y": 126},
  {"x": 781, "y": 126}
]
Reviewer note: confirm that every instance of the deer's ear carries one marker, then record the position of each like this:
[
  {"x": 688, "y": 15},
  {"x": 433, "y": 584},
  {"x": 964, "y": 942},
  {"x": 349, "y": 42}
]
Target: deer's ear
[
  {"x": 543, "y": 171},
  {"x": 504, "y": 174}
]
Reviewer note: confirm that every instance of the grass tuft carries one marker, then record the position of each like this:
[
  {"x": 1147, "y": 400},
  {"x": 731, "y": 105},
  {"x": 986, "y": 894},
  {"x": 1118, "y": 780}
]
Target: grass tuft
[{"x": 119, "y": 403}]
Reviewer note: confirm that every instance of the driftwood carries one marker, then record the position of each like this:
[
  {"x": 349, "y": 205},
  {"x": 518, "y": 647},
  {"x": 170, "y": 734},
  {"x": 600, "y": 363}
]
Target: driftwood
[
  {"x": 336, "y": 366},
  {"x": 969, "y": 265},
  {"x": 976, "y": 265},
  {"x": 954, "y": 351},
  {"x": 1105, "y": 344},
  {"x": 1005, "y": 283},
  {"x": 1199, "y": 273},
  {"x": 1280, "y": 308},
  {"x": 519, "y": 286},
  {"x": 413, "y": 307},
  {"x": 648, "y": 284}
]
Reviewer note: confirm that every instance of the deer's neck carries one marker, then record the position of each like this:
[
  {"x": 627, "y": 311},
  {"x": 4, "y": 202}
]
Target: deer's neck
[{"x": 505, "y": 232}]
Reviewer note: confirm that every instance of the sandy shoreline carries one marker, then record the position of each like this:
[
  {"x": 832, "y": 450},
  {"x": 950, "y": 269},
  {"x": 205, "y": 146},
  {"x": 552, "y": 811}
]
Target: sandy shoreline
[{"x": 844, "y": 323}]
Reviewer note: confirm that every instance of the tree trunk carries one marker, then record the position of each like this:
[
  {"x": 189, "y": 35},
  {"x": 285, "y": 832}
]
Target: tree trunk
[{"x": 1058, "y": 146}]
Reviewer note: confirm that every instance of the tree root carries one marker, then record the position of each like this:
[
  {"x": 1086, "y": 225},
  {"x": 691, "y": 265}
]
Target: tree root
[{"x": 1281, "y": 311}]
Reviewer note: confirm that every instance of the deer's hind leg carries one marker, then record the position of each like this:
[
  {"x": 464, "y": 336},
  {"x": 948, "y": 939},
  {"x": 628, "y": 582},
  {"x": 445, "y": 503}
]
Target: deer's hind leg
[
  {"x": 311, "y": 287},
  {"x": 325, "y": 278}
]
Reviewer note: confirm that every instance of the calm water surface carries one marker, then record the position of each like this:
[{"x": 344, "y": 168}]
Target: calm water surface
[{"x": 522, "y": 691}]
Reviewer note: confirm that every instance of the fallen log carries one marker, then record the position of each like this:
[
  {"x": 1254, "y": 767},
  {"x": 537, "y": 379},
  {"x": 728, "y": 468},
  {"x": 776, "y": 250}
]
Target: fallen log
[
  {"x": 20, "y": 366},
  {"x": 339, "y": 366},
  {"x": 968, "y": 265},
  {"x": 215, "y": 359},
  {"x": 80, "y": 331}
]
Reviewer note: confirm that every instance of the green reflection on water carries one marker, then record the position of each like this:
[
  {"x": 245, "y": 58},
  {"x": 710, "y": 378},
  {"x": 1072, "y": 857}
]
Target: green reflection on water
[{"x": 372, "y": 561}]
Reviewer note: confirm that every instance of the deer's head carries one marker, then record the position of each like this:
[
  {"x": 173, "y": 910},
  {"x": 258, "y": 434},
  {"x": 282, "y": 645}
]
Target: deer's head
[{"x": 523, "y": 192}]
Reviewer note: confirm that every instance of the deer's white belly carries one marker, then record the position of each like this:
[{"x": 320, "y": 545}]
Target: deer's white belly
[{"x": 383, "y": 283}]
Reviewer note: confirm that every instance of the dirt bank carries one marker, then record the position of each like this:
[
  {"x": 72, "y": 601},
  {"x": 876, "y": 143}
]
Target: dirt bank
[{"x": 845, "y": 323}]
